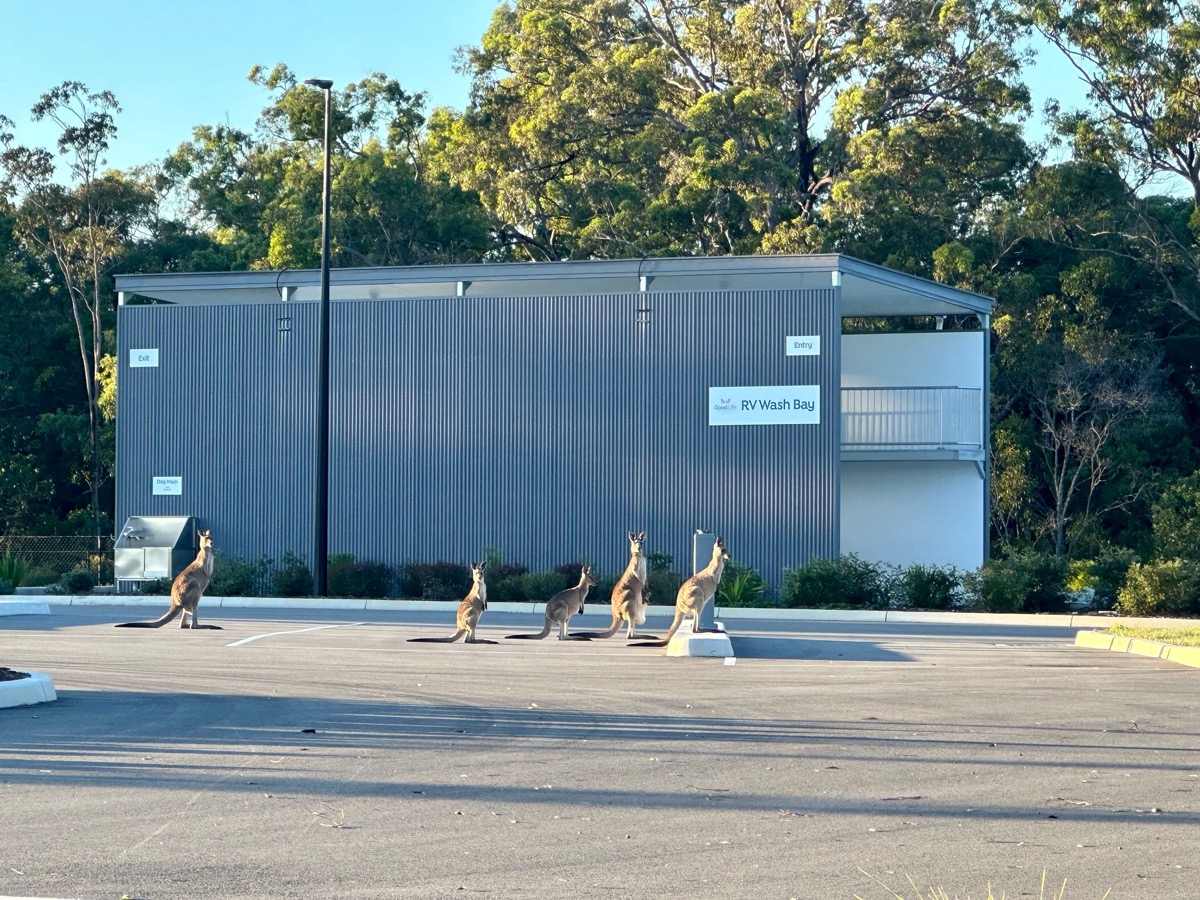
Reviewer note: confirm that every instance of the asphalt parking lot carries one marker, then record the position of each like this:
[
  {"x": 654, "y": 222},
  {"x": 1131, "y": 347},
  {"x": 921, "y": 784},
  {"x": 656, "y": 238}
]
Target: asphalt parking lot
[{"x": 319, "y": 755}]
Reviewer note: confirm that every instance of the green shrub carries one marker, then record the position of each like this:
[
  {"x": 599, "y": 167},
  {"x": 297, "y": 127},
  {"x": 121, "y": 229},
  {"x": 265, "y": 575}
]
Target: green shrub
[
  {"x": 6, "y": 586},
  {"x": 844, "y": 583},
  {"x": 350, "y": 578},
  {"x": 435, "y": 581},
  {"x": 1162, "y": 588},
  {"x": 77, "y": 581},
  {"x": 1176, "y": 520},
  {"x": 659, "y": 562},
  {"x": 997, "y": 588},
  {"x": 662, "y": 581},
  {"x": 155, "y": 586},
  {"x": 1047, "y": 580},
  {"x": 742, "y": 587},
  {"x": 571, "y": 570},
  {"x": 601, "y": 592},
  {"x": 533, "y": 587},
  {"x": 1105, "y": 574},
  {"x": 928, "y": 587},
  {"x": 236, "y": 577},
  {"x": 13, "y": 570},
  {"x": 497, "y": 569},
  {"x": 293, "y": 579},
  {"x": 1027, "y": 581},
  {"x": 408, "y": 581},
  {"x": 1079, "y": 576},
  {"x": 496, "y": 573}
]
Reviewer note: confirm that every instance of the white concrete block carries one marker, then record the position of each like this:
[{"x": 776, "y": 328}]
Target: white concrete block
[
  {"x": 37, "y": 688},
  {"x": 684, "y": 643}
]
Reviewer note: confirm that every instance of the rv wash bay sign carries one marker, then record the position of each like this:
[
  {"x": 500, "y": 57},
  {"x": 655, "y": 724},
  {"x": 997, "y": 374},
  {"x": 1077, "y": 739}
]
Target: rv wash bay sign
[{"x": 786, "y": 404}]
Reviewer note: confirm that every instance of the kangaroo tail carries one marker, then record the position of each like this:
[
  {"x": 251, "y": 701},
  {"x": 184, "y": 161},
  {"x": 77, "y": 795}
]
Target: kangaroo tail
[
  {"x": 616, "y": 626},
  {"x": 670, "y": 634},
  {"x": 529, "y": 637},
  {"x": 446, "y": 640},
  {"x": 157, "y": 623}
]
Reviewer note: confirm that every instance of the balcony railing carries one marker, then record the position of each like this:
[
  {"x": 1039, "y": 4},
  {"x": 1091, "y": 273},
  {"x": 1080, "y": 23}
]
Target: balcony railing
[{"x": 912, "y": 418}]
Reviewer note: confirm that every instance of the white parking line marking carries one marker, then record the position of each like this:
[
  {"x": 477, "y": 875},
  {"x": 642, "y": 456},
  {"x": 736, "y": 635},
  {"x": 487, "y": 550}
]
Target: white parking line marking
[{"x": 259, "y": 637}]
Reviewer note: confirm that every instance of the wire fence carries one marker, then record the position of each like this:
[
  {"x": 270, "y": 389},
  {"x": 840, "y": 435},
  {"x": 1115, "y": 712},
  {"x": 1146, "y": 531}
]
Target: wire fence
[{"x": 46, "y": 558}]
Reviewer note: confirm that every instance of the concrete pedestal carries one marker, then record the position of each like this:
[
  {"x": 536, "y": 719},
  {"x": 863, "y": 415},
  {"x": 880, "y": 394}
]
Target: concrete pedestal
[{"x": 685, "y": 643}]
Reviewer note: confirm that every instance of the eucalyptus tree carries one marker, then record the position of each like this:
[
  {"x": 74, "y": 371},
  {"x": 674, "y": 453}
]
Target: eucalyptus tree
[
  {"x": 623, "y": 127},
  {"x": 27, "y": 377},
  {"x": 76, "y": 230},
  {"x": 259, "y": 192},
  {"x": 1141, "y": 65},
  {"x": 1088, "y": 421}
]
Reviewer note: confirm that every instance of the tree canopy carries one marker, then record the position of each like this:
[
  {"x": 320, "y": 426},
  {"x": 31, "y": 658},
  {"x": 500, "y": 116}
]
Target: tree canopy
[{"x": 601, "y": 128}]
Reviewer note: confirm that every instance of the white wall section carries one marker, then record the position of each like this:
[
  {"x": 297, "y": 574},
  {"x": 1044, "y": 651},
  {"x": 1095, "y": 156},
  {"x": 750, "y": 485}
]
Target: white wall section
[{"x": 913, "y": 512}]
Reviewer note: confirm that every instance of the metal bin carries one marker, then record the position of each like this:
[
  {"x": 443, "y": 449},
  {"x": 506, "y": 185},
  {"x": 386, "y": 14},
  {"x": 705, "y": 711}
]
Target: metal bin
[{"x": 150, "y": 547}]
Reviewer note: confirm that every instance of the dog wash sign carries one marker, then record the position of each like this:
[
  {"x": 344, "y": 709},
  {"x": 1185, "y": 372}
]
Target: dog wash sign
[{"x": 785, "y": 404}]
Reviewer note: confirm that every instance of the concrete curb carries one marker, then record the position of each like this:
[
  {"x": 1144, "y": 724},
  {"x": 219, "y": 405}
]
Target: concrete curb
[
  {"x": 37, "y": 688},
  {"x": 889, "y": 616},
  {"x": 1097, "y": 640},
  {"x": 23, "y": 606}
]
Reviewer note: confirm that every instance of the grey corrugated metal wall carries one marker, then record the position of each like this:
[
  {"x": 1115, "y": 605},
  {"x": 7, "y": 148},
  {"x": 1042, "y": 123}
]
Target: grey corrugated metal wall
[
  {"x": 544, "y": 427},
  {"x": 229, "y": 408}
]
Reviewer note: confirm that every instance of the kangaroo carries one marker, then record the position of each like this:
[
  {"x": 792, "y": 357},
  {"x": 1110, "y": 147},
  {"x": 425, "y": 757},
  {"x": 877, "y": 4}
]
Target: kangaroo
[
  {"x": 186, "y": 590},
  {"x": 469, "y": 612},
  {"x": 694, "y": 594},
  {"x": 629, "y": 595},
  {"x": 561, "y": 607}
]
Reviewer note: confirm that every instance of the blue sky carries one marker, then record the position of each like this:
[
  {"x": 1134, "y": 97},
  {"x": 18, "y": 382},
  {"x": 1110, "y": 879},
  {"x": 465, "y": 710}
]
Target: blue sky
[{"x": 175, "y": 65}]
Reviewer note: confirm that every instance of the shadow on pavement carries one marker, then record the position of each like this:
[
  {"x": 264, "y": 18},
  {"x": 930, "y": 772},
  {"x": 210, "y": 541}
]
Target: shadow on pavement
[{"x": 804, "y": 648}]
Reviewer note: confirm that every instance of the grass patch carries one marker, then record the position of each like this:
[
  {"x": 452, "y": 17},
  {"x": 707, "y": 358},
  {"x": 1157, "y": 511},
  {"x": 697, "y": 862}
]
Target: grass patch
[
  {"x": 1181, "y": 637},
  {"x": 1045, "y": 892}
]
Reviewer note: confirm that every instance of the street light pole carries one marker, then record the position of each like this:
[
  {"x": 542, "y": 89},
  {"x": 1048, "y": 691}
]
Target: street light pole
[{"x": 321, "y": 512}]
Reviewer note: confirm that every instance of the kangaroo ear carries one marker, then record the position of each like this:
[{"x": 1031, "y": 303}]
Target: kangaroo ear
[
  {"x": 630, "y": 535},
  {"x": 641, "y": 536}
]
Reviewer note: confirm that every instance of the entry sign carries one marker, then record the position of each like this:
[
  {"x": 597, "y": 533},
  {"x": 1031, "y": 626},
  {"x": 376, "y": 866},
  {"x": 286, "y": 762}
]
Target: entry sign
[
  {"x": 143, "y": 359},
  {"x": 785, "y": 404},
  {"x": 168, "y": 485},
  {"x": 804, "y": 345}
]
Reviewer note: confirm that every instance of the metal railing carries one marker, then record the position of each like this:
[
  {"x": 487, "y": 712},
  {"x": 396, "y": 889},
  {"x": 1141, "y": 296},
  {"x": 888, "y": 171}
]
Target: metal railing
[
  {"x": 912, "y": 418},
  {"x": 49, "y": 557}
]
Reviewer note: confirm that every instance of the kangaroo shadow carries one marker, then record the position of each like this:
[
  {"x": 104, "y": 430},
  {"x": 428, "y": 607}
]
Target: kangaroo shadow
[{"x": 807, "y": 648}]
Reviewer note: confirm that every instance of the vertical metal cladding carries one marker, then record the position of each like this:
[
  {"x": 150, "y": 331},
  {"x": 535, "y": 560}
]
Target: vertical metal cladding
[
  {"x": 548, "y": 427},
  {"x": 230, "y": 410},
  {"x": 543, "y": 427}
]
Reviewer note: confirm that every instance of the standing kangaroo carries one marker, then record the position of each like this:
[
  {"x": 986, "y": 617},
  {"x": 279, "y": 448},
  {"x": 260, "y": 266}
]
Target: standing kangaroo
[
  {"x": 694, "y": 594},
  {"x": 469, "y": 612},
  {"x": 561, "y": 607},
  {"x": 628, "y": 595},
  {"x": 186, "y": 590}
]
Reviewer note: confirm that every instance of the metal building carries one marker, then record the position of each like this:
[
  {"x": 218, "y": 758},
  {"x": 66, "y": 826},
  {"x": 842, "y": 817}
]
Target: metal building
[{"x": 546, "y": 409}]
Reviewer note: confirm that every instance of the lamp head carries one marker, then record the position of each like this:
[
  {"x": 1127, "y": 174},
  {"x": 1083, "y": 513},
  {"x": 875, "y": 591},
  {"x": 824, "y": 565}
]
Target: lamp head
[{"x": 322, "y": 83}]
